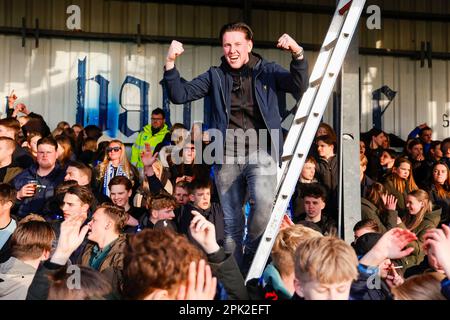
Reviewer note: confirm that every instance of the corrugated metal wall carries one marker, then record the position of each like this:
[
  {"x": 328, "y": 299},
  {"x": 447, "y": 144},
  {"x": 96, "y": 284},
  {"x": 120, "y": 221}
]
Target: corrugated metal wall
[{"x": 45, "y": 78}]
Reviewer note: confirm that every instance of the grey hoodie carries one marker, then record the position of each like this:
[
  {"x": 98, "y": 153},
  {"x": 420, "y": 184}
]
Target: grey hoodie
[{"x": 15, "y": 278}]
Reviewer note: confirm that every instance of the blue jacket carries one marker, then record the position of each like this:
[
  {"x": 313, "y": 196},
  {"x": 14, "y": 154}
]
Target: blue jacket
[
  {"x": 36, "y": 203},
  {"x": 269, "y": 80}
]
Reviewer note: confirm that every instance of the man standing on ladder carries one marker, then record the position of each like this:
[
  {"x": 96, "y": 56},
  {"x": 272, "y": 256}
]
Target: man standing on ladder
[{"x": 244, "y": 93}]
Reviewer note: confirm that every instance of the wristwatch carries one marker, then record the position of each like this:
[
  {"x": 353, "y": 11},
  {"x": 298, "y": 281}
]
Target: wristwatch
[{"x": 298, "y": 54}]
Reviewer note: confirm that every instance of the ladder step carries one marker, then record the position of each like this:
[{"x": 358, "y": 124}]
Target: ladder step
[
  {"x": 290, "y": 157},
  {"x": 316, "y": 82},
  {"x": 301, "y": 120},
  {"x": 345, "y": 8},
  {"x": 287, "y": 158},
  {"x": 331, "y": 44}
]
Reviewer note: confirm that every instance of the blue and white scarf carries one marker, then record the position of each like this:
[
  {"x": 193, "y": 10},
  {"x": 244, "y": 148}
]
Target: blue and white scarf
[{"x": 109, "y": 174}]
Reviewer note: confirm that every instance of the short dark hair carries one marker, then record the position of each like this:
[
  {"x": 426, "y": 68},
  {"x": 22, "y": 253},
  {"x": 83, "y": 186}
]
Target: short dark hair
[
  {"x": 328, "y": 139},
  {"x": 427, "y": 128},
  {"x": 159, "y": 111},
  {"x": 121, "y": 180},
  {"x": 82, "y": 167},
  {"x": 48, "y": 140},
  {"x": 412, "y": 143},
  {"x": 236, "y": 26},
  {"x": 94, "y": 285},
  {"x": 11, "y": 123},
  {"x": 366, "y": 223},
  {"x": 315, "y": 191},
  {"x": 199, "y": 184},
  {"x": 445, "y": 145},
  {"x": 435, "y": 143},
  {"x": 391, "y": 152},
  {"x": 83, "y": 193},
  {"x": 375, "y": 132},
  {"x": 7, "y": 193},
  {"x": 92, "y": 131}
]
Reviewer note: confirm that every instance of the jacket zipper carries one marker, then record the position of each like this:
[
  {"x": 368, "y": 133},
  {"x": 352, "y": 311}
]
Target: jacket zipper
[
  {"x": 259, "y": 105},
  {"x": 223, "y": 97}
]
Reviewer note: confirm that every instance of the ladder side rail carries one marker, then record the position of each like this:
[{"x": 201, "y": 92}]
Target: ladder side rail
[{"x": 288, "y": 182}]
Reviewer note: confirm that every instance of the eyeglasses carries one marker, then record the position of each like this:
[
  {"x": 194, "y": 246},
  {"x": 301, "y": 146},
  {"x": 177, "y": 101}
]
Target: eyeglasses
[
  {"x": 157, "y": 119},
  {"x": 115, "y": 149}
]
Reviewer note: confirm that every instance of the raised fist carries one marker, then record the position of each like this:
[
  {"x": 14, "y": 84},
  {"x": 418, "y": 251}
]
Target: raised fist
[{"x": 175, "y": 49}]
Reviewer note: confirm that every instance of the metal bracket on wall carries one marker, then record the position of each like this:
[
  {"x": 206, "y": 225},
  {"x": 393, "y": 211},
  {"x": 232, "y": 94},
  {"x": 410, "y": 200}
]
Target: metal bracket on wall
[
  {"x": 426, "y": 52},
  {"x": 24, "y": 31},
  {"x": 138, "y": 35},
  {"x": 36, "y": 34}
]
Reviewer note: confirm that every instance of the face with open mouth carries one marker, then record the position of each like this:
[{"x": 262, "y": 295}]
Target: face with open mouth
[{"x": 236, "y": 48}]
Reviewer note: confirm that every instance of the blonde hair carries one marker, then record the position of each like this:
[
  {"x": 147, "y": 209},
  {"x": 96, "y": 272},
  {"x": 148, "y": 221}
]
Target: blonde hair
[
  {"x": 363, "y": 160},
  {"x": 124, "y": 162},
  {"x": 425, "y": 286},
  {"x": 285, "y": 245},
  {"x": 413, "y": 222},
  {"x": 327, "y": 260}
]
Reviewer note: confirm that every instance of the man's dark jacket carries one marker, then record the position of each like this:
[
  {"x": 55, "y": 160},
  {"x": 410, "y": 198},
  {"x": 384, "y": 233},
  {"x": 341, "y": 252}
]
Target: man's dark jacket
[{"x": 269, "y": 80}]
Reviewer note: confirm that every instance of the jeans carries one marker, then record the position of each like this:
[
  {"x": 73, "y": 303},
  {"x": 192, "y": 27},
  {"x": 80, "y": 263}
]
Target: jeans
[{"x": 255, "y": 181}]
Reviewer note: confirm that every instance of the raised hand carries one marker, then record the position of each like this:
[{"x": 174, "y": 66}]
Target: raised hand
[
  {"x": 70, "y": 238},
  {"x": 147, "y": 156},
  {"x": 148, "y": 159},
  {"x": 286, "y": 222},
  {"x": 390, "y": 202},
  {"x": 201, "y": 285},
  {"x": 175, "y": 50},
  {"x": 287, "y": 43},
  {"x": 439, "y": 241},
  {"x": 390, "y": 246},
  {"x": 203, "y": 232},
  {"x": 12, "y": 99}
]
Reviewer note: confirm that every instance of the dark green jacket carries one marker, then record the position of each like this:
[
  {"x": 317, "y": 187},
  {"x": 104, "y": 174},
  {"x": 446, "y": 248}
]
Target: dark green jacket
[
  {"x": 401, "y": 197},
  {"x": 430, "y": 221},
  {"x": 385, "y": 220}
]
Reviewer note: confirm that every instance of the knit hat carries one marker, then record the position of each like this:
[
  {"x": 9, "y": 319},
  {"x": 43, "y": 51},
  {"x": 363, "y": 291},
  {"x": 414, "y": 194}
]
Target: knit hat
[{"x": 366, "y": 242}]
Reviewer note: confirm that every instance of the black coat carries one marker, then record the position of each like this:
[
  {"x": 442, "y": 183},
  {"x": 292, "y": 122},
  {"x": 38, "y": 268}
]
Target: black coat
[{"x": 214, "y": 215}]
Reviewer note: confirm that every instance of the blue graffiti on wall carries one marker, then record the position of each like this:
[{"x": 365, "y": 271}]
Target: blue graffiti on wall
[{"x": 107, "y": 116}]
